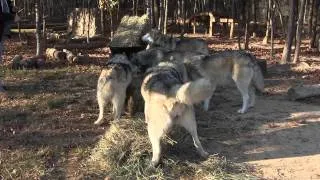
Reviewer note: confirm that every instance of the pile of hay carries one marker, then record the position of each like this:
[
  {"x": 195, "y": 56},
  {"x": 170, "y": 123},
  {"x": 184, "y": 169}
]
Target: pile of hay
[
  {"x": 125, "y": 151},
  {"x": 129, "y": 31}
]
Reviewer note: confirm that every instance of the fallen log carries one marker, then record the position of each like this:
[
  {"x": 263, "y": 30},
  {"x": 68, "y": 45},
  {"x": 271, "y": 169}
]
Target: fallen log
[
  {"x": 93, "y": 45},
  {"x": 56, "y": 55},
  {"x": 35, "y": 62},
  {"x": 82, "y": 59},
  {"x": 71, "y": 58},
  {"x": 303, "y": 91},
  {"x": 92, "y": 39}
]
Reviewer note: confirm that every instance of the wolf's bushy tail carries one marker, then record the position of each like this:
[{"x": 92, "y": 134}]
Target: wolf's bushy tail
[
  {"x": 258, "y": 79},
  {"x": 194, "y": 91}
]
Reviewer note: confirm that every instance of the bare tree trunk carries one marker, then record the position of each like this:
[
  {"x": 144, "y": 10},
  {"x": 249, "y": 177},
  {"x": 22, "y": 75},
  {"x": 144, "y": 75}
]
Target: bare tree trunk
[
  {"x": 278, "y": 8},
  {"x": 137, "y": 5},
  {"x": 111, "y": 24},
  {"x": 254, "y": 12},
  {"x": 299, "y": 30},
  {"x": 286, "y": 54},
  {"x": 165, "y": 16},
  {"x": 160, "y": 27},
  {"x": 38, "y": 31},
  {"x": 148, "y": 5},
  {"x": 272, "y": 29},
  {"x": 246, "y": 16},
  {"x": 233, "y": 20},
  {"x": 305, "y": 11},
  {"x": 156, "y": 12},
  {"x": 313, "y": 43},
  {"x": 311, "y": 4},
  {"x": 44, "y": 32},
  {"x": 89, "y": 22},
  {"x": 102, "y": 21},
  {"x": 133, "y": 7},
  {"x": 184, "y": 13},
  {"x": 266, "y": 37}
]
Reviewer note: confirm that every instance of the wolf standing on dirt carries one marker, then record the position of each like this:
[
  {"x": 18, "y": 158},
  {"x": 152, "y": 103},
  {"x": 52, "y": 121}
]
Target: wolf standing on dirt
[
  {"x": 154, "y": 38},
  {"x": 241, "y": 66},
  {"x": 112, "y": 85},
  {"x": 169, "y": 97}
]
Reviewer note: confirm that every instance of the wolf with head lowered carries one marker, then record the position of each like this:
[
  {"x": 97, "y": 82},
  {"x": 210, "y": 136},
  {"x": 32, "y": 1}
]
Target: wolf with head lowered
[
  {"x": 112, "y": 85},
  {"x": 240, "y": 66},
  {"x": 154, "y": 38},
  {"x": 169, "y": 97}
]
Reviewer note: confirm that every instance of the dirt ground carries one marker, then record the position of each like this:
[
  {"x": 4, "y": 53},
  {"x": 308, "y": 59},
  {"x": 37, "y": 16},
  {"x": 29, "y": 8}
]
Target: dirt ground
[{"x": 46, "y": 119}]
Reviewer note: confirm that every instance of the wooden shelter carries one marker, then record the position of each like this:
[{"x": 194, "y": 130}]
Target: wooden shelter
[{"x": 210, "y": 19}]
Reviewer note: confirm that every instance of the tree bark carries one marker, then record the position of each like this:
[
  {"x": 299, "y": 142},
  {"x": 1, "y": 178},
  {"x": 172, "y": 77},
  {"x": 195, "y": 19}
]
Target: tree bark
[
  {"x": 38, "y": 31},
  {"x": 300, "y": 92},
  {"x": 102, "y": 21},
  {"x": 165, "y": 16},
  {"x": 156, "y": 12},
  {"x": 254, "y": 12},
  {"x": 272, "y": 28},
  {"x": 266, "y": 37},
  {"x": 311, "y": 4},
  {"x": 287, "y": 48},
  {"x": 313, "y": 43},
  {"x": 246, "y": 16},
  {"x": 233, "y": 19},
  {"x": 160, "y": 25},
  {"x": 299, "y": 30}
]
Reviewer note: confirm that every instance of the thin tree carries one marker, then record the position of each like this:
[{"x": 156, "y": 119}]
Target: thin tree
[
  {"x": 254, "y": 14},
  {"x": 310, "y": 15},
  {"x": 266, "y": 37},
  {"x": 299, "y": 30},
  {"x": 313, "y": 43},
  {"x": 272, "y": 10},
  {"x": 233, "y": 19},
  {"x": 165, "y": 16},
  {"x": 161, "y": 16},
  {"x": 287, "y": 48},
  {"x": 38, "y": 29},
  {"x": 246, "y": 19}
]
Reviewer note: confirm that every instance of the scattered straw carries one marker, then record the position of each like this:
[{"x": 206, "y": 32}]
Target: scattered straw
[{"x": 124, "y": 152}]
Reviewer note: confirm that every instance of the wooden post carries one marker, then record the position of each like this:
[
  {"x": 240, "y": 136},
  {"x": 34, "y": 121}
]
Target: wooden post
[
  {"x": 231, "y": 29},
  {"x": 194, "y": 26},
  {"x": 211, "y": 24}
]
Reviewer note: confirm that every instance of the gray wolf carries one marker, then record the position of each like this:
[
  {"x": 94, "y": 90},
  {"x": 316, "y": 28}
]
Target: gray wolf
[
  {"x": 169, "y": 97},
  {"x": 240, "y": 66},
  {"x": 151, "y": 57},
  {"x": 154, "y": 38},
  {"x": 112, "y": 85}
]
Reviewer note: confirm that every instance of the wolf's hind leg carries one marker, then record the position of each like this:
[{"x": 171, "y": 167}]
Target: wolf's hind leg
[
  {"x": 206, "y": 102},
  {"x": 188, "y": 121},
  {"x": 102, "y": 100},
  {"x": 155, "y": 138},
  {"x": 252, "y": 96},
  {"x": 118, "y": 103}
]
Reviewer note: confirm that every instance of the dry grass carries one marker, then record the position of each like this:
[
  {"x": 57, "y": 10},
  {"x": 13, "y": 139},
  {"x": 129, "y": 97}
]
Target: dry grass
[{"x": 124, "y": 152}]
